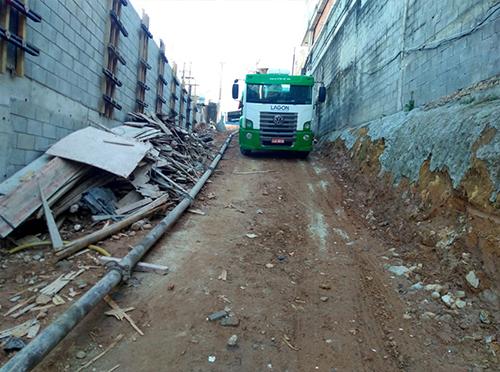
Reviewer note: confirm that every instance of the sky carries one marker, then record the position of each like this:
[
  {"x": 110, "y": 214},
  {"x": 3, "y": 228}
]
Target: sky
[{"x": 237, "y": 34}]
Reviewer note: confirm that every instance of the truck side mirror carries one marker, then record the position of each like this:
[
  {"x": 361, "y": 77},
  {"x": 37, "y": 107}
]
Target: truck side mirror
[
  {"x": 235, "y": 91},
  {"x": 321, "y": 94}
]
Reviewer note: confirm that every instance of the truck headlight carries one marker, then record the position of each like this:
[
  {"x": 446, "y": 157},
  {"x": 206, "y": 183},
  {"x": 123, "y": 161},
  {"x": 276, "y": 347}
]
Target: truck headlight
[
  {"x": 248, "y": 124},
  {"x": 249, "y": 136},
  {"x": 307, "y": 125},
  {"x": 306, "y": 137}
]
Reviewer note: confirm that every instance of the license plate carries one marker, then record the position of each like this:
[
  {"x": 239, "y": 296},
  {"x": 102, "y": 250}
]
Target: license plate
[{"x": 277, "y": 140}]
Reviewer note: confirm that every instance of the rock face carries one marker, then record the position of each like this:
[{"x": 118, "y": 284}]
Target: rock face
[{"x": 421, "y": 143}]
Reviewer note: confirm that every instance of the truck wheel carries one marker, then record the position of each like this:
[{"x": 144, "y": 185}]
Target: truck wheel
[
  {"x": 245, "y": 152},
  {"x": 303, "y": 154}
]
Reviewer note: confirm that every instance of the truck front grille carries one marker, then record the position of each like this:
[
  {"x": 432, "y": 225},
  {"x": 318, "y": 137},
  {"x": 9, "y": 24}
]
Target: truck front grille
[{"x": 278, "y": 125}]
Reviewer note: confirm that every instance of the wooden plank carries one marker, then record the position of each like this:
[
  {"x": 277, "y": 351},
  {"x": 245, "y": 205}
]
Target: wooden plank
[
  {"x": 141, "y": 266},
  {"x": 20, "y": 204},
  {"x": 55, "y": 237},
  {"x": 121, "y": 314},
  {"x": 98, "y": 235},
  {"x": 87, "y": 146},
  {"x": 131, "y": 207}
]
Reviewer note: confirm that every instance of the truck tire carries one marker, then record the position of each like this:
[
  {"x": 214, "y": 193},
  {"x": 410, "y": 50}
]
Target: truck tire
[{"x": 245, "y": 152}]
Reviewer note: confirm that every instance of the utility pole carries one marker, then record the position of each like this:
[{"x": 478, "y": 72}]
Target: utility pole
[{"x": 220, "y": 87}]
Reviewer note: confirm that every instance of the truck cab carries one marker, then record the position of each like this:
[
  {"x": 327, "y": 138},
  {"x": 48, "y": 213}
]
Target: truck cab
[{"x": 277, "y": 110}]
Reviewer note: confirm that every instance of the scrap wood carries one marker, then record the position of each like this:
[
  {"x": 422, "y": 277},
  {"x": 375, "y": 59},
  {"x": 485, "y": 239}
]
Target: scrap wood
[
  {"x": 54, "y": 234},
  {"x": 120, "y": 313},
  {"x": 33, "y": 330},
  {"x": 19, "y": 205},
  {"x": 58, "y": 284},
  {"x": 289, "y": 344},
  {"x": 141, "y": 266},
  {"x": 133, "y": 206},
  {"x": 86, "y": 146},
  {"x": 19, "y": 330},
  {"x": 114, "y": 368},
  {"x": 254, "y": 172},
  {"x": 20, "y": 305},
  {"x": 22, "y": 311},
  {"x": 196, "y": 211},
  {"x": 100, "y": 355},
  {"x": 99, "y": 235}
]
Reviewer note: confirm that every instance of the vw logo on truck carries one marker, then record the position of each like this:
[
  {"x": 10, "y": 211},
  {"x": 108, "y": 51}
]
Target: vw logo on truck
[{"x": 278, "y": 119}]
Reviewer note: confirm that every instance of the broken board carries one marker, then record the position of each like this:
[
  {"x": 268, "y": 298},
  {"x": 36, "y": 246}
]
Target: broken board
[
  {"x": 96, "y": 147},
  {"x": 16, "y": 207}
]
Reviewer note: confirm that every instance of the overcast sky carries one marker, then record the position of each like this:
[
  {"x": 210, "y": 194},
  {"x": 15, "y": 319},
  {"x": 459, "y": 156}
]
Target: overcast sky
[{"x": 238, "y": 33}]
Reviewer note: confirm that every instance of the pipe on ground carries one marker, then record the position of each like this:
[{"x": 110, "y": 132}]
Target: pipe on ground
[{"x": 37, "y": 349}]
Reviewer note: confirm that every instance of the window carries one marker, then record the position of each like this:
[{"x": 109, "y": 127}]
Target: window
[{"x": 279, "y": 93}]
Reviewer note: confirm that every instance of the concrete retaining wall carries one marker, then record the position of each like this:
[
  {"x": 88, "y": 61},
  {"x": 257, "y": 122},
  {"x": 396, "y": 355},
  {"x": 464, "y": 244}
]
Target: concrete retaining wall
[
  {"x": 375, "y": 57},
  {"x": 61, "y": 90}
]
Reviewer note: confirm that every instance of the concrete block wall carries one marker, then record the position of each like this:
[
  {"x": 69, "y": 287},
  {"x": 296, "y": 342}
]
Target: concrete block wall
[
  {"x": 376, "y": 56},
  {"x": 62, "y": 87}
]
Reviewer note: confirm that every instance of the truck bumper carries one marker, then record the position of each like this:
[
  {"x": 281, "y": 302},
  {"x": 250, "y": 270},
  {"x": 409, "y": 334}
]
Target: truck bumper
[{"x": 250, "y": 140}]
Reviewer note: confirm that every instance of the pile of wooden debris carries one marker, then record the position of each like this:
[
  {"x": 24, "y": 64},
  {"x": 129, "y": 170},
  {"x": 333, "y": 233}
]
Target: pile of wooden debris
[{"x": 117, "y": 175}]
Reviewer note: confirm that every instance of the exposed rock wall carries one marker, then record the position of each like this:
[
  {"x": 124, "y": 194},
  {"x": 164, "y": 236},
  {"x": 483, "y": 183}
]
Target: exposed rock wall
[{"x": 451, "y": 147}]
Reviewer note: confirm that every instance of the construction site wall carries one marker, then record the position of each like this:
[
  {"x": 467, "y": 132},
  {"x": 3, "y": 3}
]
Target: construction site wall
[
  {"x": 377, "y": 58},
  {"x": 62, "y": 88}
]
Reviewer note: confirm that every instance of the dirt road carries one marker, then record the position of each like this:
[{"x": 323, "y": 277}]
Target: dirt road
[{"x": 309, "y": 290}]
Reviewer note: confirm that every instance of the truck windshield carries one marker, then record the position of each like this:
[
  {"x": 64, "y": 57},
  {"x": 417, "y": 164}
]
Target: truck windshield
[{"x": 279, "y": 93}]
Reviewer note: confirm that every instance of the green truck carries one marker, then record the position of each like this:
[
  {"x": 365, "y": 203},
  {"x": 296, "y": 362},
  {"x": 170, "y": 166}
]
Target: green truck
[{"x": 277, "y": 110}]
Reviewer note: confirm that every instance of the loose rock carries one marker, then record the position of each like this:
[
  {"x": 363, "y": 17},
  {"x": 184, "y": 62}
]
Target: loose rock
[
  {"x": 232, "y": 341},
  {"x": 472, "y": 279},
  {"x": 398, "y": 270},
  {"x": 81, "y": 354},
  {"x": 448, "y": 299},
  {"x": 324, "y": 298}
]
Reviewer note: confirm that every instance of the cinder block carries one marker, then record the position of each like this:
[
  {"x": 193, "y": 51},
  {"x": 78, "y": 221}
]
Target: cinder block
[
  {"x": 25, "y": 141},
  {"x": 49, "y": 130},
  {"x": 34, "y": 127},
  {"x": 41, "y": 143},
  {"x": 19, "y": 123},
  {"x": 31, "y": 155}
]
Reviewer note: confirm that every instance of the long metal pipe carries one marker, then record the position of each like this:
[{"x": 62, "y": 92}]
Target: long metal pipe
[{"x": 37, "y": 349}]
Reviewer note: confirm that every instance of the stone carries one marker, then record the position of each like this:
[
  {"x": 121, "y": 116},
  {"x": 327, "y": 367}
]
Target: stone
[
  {"x": 324, "y": 298},
  {"x": 19, "y": 279},
  {"x": 232, "y": 341},
  {"x": 484, "y": 317},
  {"x": 435, "y": 295},
  {"x": 448, "y": 299},
  {"x": 147, "y": 226},
  {"x": 269, "y": 265},
  {"x": 460, "y": 304},
  {"x": 80, "y": 283},
  {"x": 259, "y": 211},
  {"x": 406, "y": 316},
  {"x": 416, "y": 287},
  {"x": 230, "y": 321},
  {"x": 211, "y": 359},
  {"x": 459, "y": 294},
  {"x": 77, "y": 227},
  {"x": 251, "y": 235},
  {"x": 74, "y": 208},
  {"x": 43, "y": 299},
  {"x": 37, "y": 256},
  {"x": 472, "y": 279},
  {"x": 398, "y": 270},
  {"x": 139, "y": 225},
  {"x": 434, "y": 287},
  {"x": 428, "y": 315},
  {"x": 81, "y": 354}
]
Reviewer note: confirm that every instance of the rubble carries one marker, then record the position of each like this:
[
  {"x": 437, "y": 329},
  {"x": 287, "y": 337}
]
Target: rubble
[{"x": 155, "y": 159}]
